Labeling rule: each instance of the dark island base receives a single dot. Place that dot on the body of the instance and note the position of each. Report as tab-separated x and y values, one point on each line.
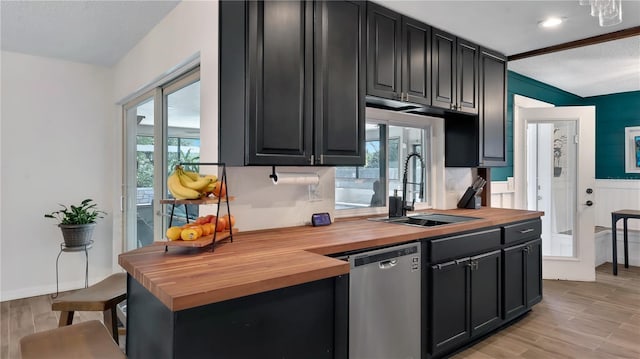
303	321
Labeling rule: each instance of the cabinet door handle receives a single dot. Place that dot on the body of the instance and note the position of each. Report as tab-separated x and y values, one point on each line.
525	231
526	249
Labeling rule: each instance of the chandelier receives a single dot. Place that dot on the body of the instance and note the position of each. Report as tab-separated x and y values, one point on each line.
609	12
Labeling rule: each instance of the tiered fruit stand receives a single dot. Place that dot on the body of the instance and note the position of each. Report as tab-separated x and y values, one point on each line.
210	239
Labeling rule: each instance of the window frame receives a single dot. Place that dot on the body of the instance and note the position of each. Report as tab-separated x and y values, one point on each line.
434	161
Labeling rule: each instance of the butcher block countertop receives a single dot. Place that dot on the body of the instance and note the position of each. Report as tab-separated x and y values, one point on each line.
264	260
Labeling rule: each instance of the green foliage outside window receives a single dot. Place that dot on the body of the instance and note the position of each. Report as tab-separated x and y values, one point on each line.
144	159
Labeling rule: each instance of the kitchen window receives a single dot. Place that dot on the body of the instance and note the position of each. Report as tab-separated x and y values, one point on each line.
390	138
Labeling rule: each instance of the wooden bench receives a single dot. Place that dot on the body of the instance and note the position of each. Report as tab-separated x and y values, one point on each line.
84	340
102	296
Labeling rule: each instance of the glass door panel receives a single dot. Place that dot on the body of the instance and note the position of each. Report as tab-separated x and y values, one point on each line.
139	207
551	168
183	137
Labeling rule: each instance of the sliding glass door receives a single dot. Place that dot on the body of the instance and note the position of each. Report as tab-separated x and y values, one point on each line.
162	129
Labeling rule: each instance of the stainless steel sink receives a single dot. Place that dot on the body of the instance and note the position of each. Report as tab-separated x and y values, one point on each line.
426	220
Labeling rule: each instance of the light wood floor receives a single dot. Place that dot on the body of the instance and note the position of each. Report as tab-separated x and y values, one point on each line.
574	320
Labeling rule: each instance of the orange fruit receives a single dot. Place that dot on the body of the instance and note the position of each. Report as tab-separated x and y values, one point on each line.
207	229
189	234
201	220
231	221
219	189
198	229
222	224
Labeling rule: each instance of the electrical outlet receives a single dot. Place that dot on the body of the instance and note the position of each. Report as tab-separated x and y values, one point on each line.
315	193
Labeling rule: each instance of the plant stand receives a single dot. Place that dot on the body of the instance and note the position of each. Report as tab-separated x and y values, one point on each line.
64	248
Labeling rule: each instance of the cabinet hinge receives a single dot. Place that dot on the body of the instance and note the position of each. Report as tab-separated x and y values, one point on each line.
576	139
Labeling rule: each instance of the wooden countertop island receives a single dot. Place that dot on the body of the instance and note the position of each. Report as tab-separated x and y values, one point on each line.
265	260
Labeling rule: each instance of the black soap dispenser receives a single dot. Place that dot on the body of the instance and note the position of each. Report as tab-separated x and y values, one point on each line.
395	205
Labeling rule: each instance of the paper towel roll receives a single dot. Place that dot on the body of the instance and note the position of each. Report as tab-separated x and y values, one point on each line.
297	178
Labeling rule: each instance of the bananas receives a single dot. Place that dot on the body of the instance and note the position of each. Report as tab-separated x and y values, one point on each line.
194	176
178	190
190	185
198	185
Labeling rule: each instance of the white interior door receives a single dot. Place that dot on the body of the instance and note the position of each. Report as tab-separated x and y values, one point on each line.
559	157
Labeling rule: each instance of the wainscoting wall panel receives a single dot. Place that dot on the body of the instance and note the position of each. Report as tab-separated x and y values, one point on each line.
609	195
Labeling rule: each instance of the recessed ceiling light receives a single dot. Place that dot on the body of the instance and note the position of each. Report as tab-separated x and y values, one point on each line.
550	22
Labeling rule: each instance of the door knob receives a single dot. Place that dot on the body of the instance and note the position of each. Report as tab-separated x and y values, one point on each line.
589	203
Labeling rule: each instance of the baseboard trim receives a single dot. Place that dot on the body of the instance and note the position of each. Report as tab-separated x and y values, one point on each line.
47	289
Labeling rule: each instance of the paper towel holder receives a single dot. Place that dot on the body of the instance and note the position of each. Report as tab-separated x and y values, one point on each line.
273	174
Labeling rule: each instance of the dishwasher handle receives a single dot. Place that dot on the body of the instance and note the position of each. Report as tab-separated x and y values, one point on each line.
388	264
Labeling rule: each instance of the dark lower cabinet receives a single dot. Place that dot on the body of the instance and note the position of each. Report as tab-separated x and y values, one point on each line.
449	306
304	321
522	277
486	292
465	301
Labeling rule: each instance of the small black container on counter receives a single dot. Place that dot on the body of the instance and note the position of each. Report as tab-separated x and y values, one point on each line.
395	206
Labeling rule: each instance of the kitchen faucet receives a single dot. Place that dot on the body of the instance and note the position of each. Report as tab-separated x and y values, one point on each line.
405	207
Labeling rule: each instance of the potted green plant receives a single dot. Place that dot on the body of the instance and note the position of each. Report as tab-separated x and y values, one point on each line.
77	222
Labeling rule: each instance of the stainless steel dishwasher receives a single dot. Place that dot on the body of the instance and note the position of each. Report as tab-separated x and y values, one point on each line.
384	303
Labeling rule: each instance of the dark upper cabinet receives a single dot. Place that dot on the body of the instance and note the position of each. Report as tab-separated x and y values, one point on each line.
443	64
298	96
416	61
340	80
280	54
398	61
383	52
454	65
467	76
493	106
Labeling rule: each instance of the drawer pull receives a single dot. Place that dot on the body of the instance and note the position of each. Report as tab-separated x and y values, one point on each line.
525	231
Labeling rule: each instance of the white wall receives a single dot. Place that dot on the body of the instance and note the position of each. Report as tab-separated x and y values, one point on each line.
57	147
613	195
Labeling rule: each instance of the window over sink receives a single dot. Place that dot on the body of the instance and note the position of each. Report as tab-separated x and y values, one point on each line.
390	138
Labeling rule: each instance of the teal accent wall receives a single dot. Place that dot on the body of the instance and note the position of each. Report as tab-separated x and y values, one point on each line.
521	85
613	113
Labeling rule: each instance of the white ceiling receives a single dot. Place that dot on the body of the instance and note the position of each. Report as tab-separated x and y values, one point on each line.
101	32
94	32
